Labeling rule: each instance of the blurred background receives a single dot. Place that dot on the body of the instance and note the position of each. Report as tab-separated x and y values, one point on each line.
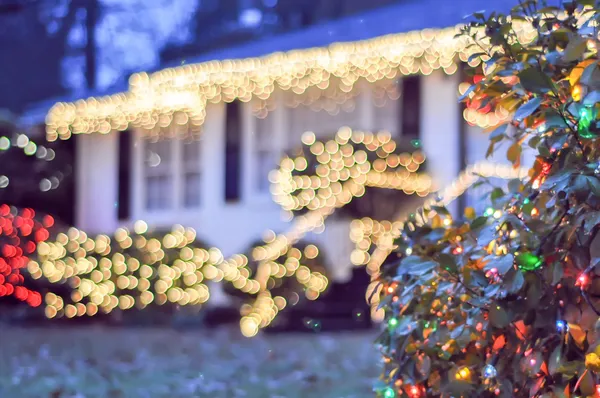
196	196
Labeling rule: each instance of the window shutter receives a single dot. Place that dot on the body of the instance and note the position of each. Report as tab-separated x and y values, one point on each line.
233	151
410	113
124	171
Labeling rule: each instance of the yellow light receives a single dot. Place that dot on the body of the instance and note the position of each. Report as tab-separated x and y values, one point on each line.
463	374
180	95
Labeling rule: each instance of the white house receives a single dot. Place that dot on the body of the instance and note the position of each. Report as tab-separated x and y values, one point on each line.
194	144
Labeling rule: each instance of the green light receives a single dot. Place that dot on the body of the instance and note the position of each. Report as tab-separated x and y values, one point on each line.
389	393
393	322
526	201
488	212
586	117
529	261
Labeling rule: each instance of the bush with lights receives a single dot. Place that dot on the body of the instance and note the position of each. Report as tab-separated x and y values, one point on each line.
128	270
507	303
311	175
299	273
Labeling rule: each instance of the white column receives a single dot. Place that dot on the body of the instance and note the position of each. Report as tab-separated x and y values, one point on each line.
440	115
248	171
365	107
213	179
97	182
177	168
213	158
280	129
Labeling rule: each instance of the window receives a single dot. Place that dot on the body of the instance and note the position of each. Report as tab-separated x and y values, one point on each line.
191	173
158	174
386	107
172	173
265	157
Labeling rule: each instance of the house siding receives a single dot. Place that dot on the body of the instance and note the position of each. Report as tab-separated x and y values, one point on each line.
233	226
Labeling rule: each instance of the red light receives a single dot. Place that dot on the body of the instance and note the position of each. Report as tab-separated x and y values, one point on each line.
42	235
29	247
414	392
582	281
48	221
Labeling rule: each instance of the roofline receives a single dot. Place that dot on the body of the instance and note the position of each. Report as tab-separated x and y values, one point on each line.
189	87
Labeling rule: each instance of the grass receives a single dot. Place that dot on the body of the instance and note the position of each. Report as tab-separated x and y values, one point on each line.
132	363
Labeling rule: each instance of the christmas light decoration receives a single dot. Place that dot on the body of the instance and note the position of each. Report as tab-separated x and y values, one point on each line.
180	95
20	233
528	261
515	309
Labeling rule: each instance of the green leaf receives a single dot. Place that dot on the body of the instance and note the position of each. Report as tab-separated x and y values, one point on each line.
554	360
534	80
448	262
557	273
423	366
416	266
502	264
497	193
498	316
478	223
590	74
594	185
587	385
498	133
405	326
514	185
527	108
514	281
592	98
534	141
440	210
575	49
592	218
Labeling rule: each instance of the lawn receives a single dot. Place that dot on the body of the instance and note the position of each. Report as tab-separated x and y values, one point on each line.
132	363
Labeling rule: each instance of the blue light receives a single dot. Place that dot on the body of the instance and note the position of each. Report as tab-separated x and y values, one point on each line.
561	326
489	371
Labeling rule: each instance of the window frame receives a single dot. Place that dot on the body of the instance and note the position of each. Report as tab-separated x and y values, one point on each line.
176	171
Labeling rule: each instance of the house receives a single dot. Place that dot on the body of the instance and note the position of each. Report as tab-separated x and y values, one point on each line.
195	144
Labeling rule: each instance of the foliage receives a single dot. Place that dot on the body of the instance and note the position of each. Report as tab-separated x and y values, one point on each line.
35	175
507	303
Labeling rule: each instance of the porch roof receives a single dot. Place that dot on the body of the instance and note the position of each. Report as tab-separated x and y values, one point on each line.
404	39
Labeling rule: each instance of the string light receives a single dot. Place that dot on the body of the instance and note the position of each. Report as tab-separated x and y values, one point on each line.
489	371
181	94
20	233
389	393
458	187
73	256
561	326
463	374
